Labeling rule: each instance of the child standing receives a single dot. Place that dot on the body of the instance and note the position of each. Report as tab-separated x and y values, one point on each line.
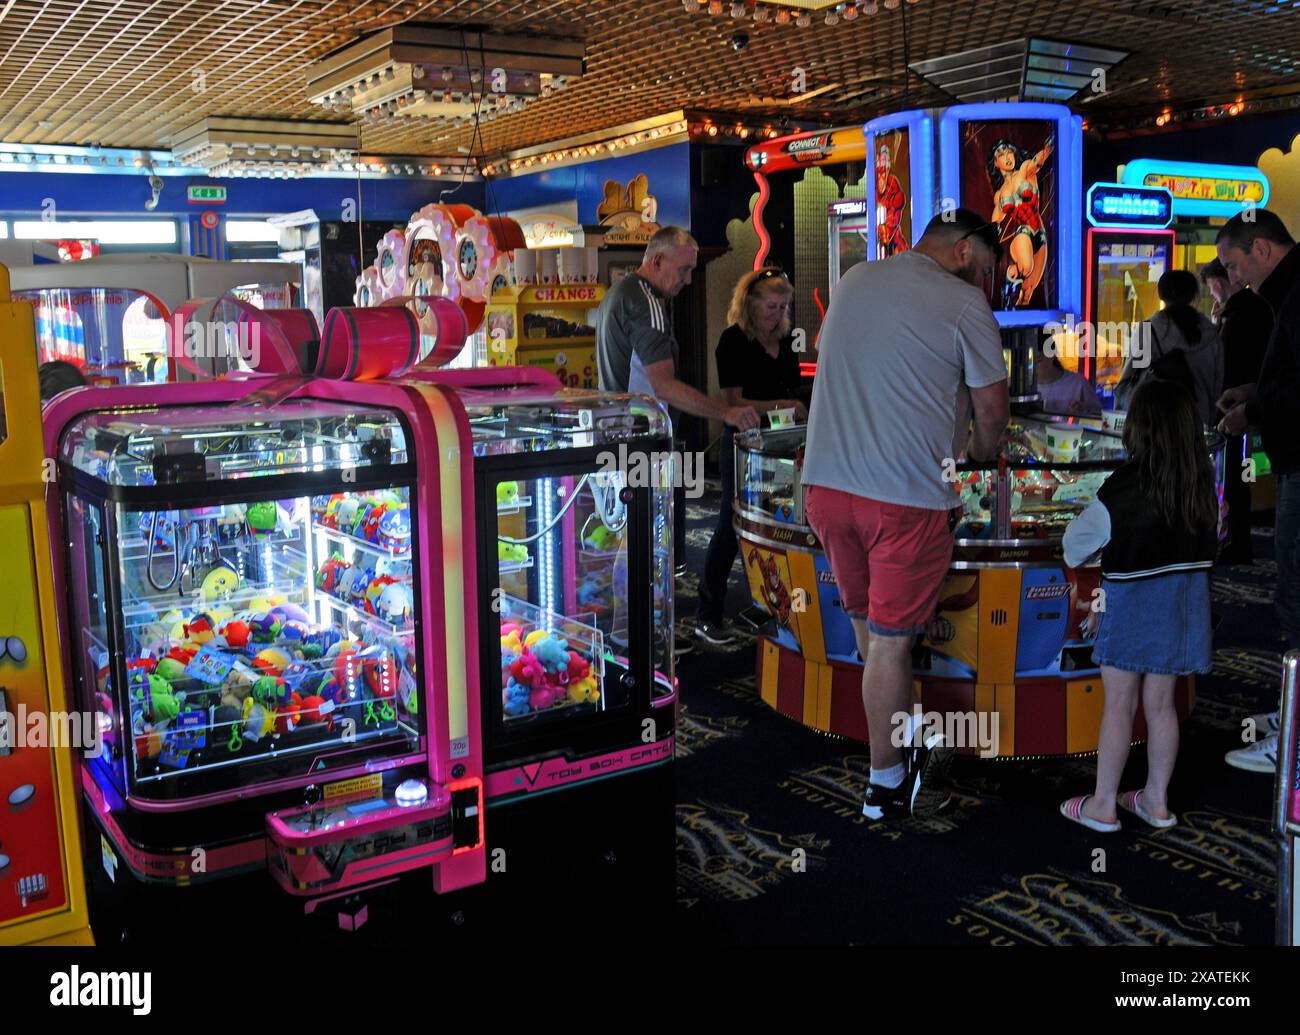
1155	525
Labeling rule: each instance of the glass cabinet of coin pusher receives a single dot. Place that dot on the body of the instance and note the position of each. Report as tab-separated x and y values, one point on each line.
250	597
1012	623
575	585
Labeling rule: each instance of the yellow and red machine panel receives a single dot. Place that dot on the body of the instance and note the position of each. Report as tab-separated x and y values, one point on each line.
42	888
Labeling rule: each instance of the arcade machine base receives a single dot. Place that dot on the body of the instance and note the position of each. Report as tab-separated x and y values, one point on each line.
1035	716
596	859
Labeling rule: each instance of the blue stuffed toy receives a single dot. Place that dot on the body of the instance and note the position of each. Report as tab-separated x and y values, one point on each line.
552	652
516	703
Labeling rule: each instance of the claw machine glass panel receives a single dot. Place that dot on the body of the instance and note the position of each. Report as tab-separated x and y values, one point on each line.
848	236
1124	267
576	559
244	594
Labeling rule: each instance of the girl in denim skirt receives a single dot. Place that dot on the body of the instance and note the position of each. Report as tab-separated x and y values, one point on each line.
1155	526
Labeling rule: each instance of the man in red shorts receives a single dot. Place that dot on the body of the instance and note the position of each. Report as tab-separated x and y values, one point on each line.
908	348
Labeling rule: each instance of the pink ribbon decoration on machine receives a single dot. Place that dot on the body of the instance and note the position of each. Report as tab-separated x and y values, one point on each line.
238	339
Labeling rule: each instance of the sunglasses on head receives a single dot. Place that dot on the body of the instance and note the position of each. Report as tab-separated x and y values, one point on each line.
989	234
766	275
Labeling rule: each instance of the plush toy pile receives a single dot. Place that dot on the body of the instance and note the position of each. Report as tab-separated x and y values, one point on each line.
213	684
382	520
358	584
539	672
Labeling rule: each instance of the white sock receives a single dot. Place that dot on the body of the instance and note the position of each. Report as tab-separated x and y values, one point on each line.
891	777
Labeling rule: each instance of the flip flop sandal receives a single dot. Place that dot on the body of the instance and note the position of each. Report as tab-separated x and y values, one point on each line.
1073	811
1129	802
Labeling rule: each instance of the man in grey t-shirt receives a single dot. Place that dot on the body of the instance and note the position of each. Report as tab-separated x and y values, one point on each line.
635	347
636	352
908	345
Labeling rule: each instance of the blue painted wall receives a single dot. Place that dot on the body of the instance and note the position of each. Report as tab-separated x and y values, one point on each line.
22	194
668	170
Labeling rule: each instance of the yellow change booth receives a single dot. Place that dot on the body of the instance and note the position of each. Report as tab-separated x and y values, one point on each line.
42	887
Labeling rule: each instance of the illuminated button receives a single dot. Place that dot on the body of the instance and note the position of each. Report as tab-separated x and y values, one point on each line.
412	792
21	795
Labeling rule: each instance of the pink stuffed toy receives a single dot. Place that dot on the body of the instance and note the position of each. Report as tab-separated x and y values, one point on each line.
541	698
528	670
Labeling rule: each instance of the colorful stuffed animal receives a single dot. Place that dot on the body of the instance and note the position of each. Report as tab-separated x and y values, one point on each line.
236	634
271	692
394	604
170	669
154	695
515	701
507	494
602	539
528	670
238	688
290	612
512	553
263	627
380	673
510	639
345	514
584	690
543	697
272	661
199	630
219	584
394	531
261	518
327	578
553	653
352	586
310	713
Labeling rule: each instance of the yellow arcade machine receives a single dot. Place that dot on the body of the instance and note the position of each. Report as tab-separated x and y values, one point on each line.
42	887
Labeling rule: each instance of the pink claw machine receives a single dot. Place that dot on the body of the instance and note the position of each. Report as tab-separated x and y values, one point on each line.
332	624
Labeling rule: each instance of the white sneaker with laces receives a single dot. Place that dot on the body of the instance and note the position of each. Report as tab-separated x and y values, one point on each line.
1259	757
1267	722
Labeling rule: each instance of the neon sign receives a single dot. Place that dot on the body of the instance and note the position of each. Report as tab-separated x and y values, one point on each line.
1200	189
1117	204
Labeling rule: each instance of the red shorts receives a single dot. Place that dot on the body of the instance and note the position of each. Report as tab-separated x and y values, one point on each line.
889	561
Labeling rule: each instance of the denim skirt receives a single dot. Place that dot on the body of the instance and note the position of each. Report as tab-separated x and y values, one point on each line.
1159	625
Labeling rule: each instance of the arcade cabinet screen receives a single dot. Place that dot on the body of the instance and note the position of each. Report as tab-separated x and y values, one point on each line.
892	156
1008	171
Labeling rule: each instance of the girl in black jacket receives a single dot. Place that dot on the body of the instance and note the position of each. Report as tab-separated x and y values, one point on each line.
1155	527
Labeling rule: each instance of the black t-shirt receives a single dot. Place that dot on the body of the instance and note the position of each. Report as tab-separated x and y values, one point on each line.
743	363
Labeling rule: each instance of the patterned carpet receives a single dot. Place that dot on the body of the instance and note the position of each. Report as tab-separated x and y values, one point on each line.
772	846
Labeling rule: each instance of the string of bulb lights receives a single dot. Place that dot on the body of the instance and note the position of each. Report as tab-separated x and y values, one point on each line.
762	11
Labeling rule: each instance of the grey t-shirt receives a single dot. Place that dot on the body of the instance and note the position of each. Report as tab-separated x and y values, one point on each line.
633	330
902	342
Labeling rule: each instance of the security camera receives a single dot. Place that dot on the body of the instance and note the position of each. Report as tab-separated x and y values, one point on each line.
155	185
740	41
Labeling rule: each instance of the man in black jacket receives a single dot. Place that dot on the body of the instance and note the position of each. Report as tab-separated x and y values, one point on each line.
1256	249
1245	323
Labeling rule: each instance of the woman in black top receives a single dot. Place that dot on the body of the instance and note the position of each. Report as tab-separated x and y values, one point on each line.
758	367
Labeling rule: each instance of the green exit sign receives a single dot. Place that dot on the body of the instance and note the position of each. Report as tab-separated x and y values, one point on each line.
207	195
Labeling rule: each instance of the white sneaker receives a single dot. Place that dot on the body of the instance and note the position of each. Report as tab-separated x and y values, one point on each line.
1259	757
1267	722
